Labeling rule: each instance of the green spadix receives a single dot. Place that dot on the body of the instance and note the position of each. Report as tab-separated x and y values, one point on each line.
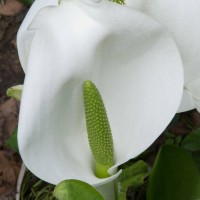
98	129
119	1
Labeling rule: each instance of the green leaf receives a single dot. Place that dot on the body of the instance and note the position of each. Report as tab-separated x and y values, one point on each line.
169	141
175	176
12	141
76	190
196	157
132	176
172	139
192	141
27	2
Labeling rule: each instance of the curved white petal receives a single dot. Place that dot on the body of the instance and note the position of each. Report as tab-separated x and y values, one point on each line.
132	61
182	19
187	101
108	190
194	89
24	37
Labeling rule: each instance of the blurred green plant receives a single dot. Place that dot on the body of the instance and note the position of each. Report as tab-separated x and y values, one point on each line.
75	190
173	139
133	176
175	176
12	141
33	188
27	2
192	141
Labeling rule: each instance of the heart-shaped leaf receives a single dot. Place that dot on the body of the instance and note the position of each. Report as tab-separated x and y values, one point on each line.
76	190
175	176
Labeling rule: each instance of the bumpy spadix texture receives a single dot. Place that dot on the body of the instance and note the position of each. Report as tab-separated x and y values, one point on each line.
98	129
118	1
130	57
182	19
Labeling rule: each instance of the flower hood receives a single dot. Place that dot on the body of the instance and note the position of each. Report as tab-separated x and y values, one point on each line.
182	19
130	57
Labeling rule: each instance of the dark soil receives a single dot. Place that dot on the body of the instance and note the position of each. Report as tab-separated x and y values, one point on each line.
10	70
10	74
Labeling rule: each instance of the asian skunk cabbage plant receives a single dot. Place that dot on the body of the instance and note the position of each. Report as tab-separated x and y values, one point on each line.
182	19
130	58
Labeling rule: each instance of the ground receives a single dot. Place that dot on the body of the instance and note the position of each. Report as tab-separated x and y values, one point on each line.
11	16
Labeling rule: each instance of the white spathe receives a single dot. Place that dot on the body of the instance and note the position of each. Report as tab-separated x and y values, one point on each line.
132	60
182	19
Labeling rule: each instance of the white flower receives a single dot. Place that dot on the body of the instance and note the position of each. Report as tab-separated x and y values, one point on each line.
132	60
182	19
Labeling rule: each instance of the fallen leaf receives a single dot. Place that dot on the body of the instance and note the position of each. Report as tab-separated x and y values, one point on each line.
8	175
11	7
8	119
